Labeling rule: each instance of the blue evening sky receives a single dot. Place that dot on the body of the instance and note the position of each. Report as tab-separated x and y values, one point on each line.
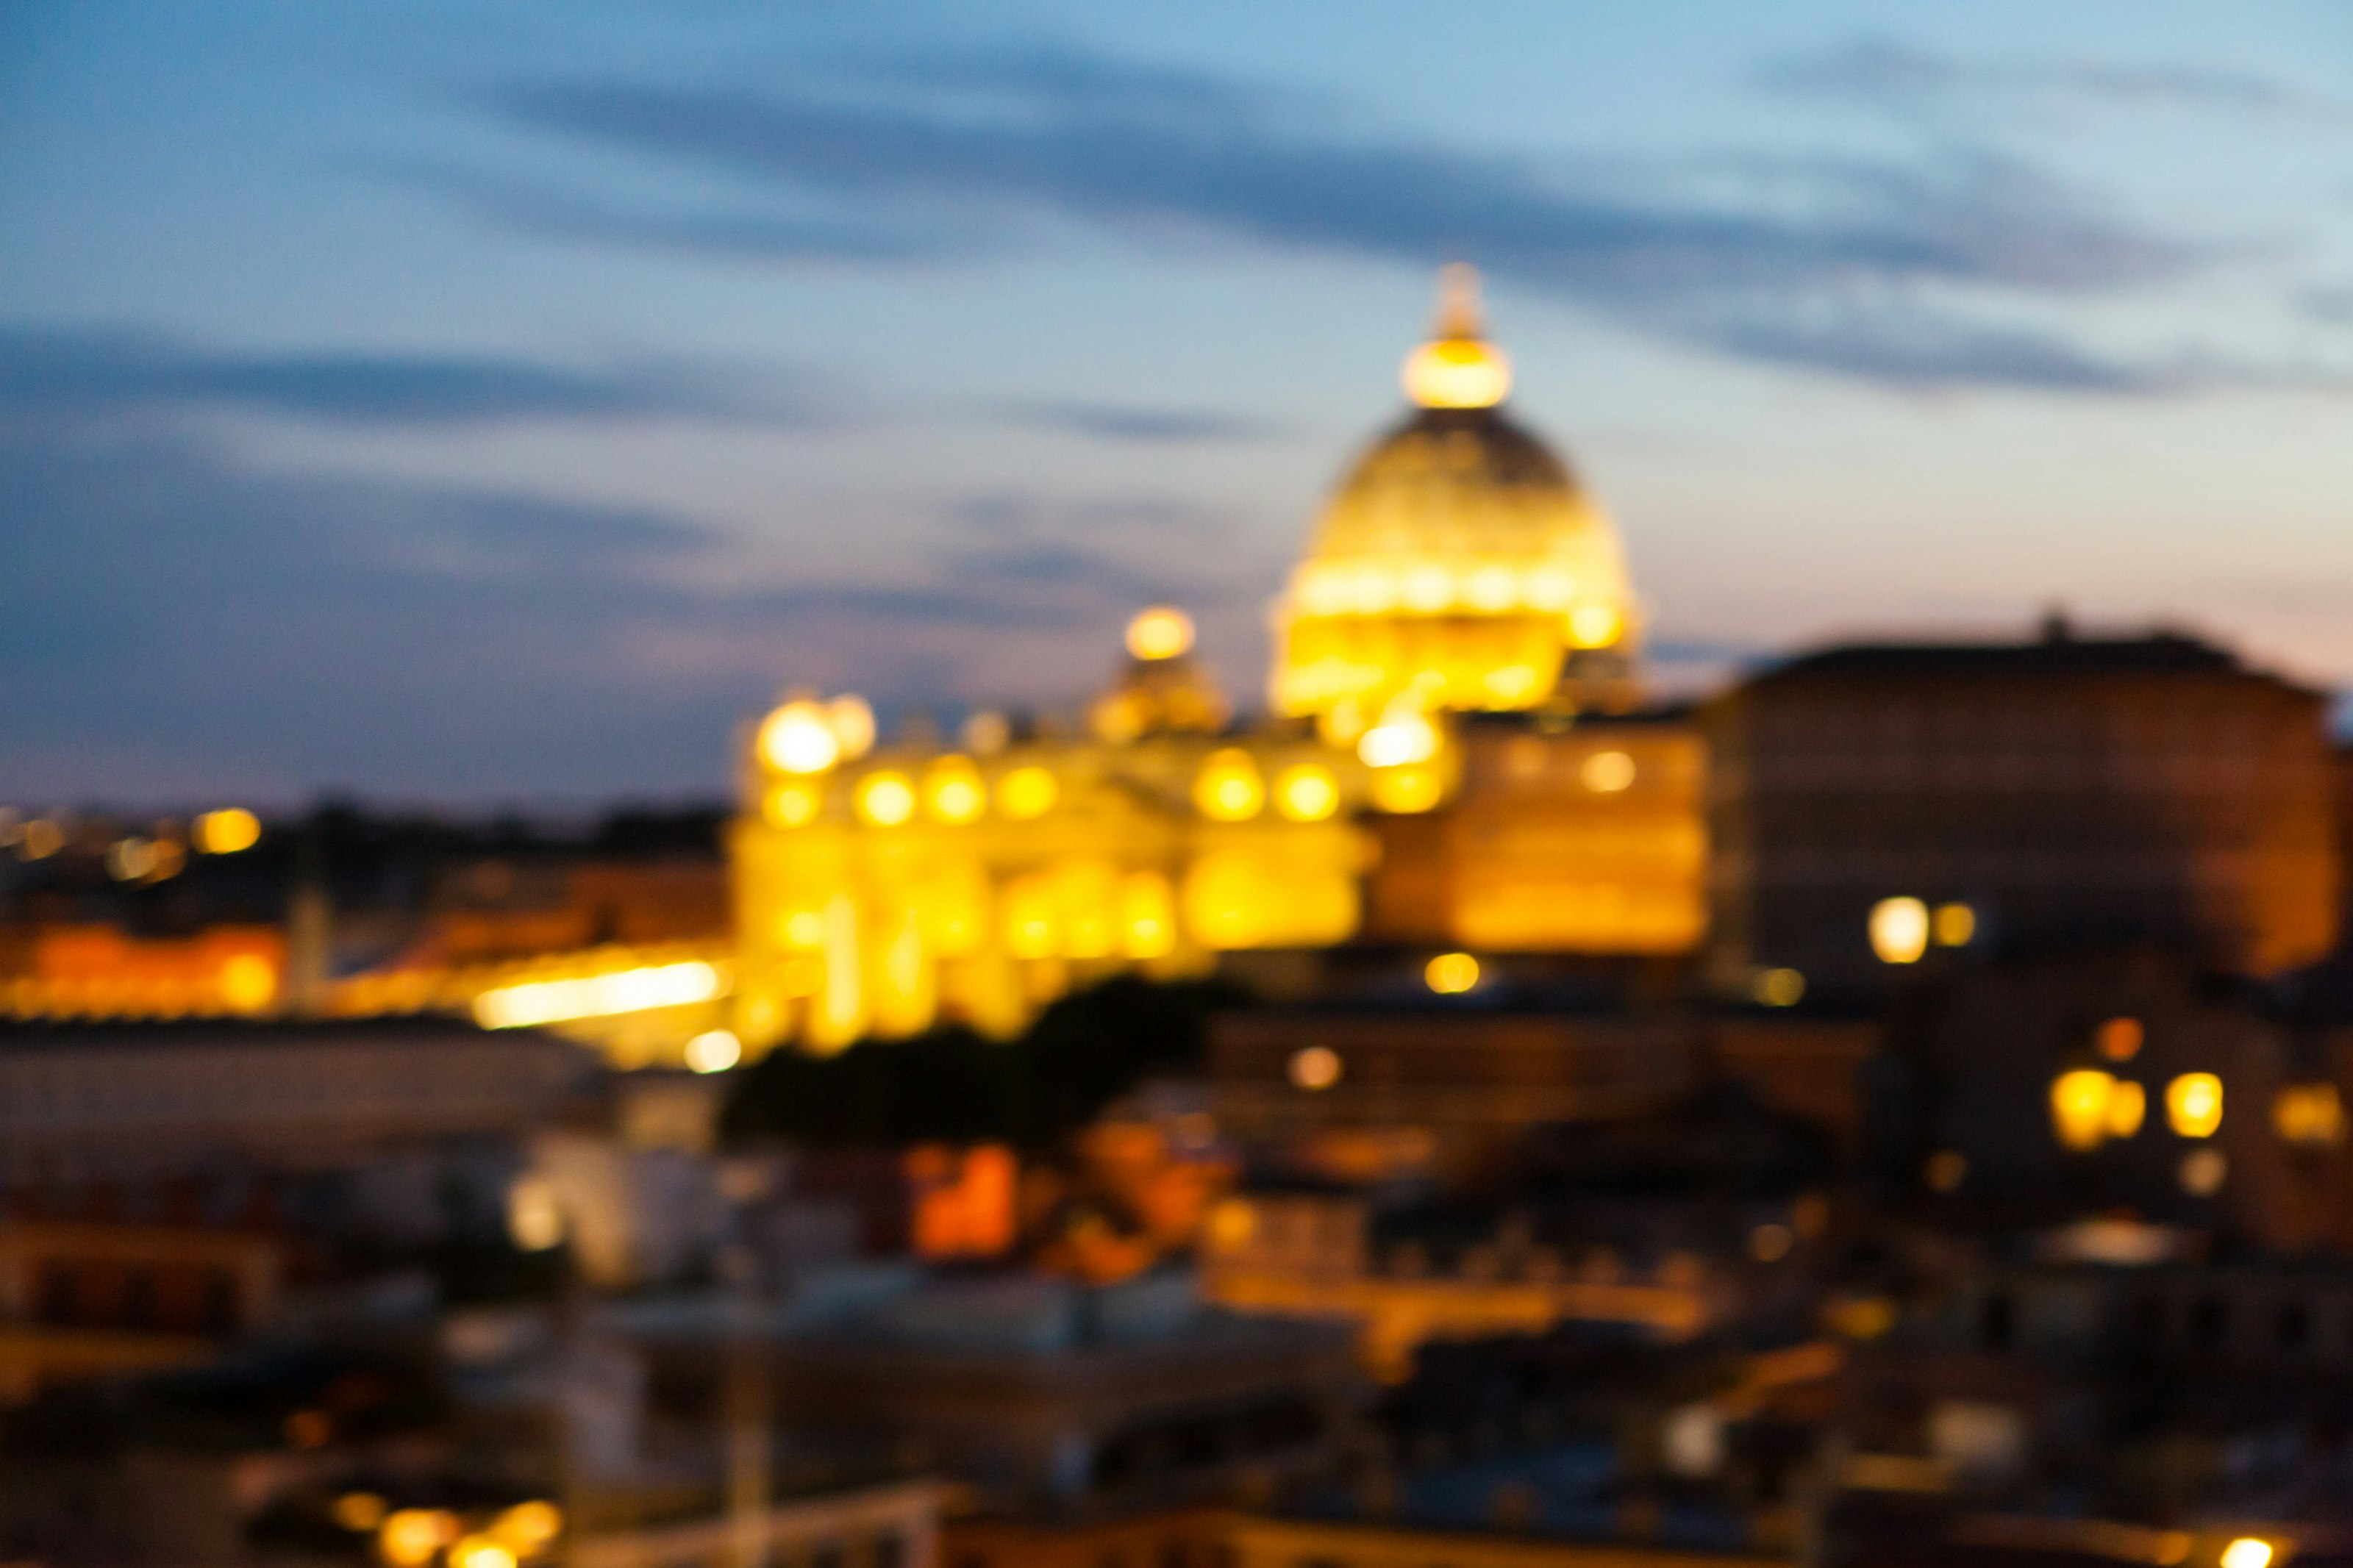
468	402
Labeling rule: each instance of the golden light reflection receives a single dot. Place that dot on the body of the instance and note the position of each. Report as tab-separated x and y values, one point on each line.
1306	792
798	738
1955	925
952	791
2193	1104
1404	736
2119	1039
1229	788
885	798
1026	793
853	723
248	983
713	1050
1407	790
1592	625
1606	772
1780	987
2247	1552
481	1552
791	805
1148	915
1160	632
598	995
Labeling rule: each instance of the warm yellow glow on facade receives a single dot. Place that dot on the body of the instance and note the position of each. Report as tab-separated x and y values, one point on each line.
529	1527
1899	930
1457	373
2079	1108
2312	1114
952	791
1229	788
1459	569
224	832
798	738
1451	973
248	982
1780	987
1025	793
2247	1552
413	1536
1405	735
853	723
1606	772
1404	791
1148	915
885	798
1955	925
1160	632
1306	792
713	1050
535	1221
1595	624
2193	1104
2127	1107
598	995
359	1511
792	804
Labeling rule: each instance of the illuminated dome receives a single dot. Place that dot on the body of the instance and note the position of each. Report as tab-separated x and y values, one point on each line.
1460	565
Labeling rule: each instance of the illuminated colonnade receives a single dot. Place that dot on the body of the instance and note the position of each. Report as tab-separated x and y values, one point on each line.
881	891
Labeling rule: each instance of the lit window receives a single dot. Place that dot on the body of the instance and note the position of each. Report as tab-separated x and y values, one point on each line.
1899	930
1451	973
2193	1104
1606	772
886	799
1315	1066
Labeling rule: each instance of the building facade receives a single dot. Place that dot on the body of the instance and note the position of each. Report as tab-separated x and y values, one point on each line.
2065	792
1446	764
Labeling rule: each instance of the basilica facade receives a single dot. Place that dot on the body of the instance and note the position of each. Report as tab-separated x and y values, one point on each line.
1455	755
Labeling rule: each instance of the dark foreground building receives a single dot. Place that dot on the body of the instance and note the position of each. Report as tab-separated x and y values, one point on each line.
2067	792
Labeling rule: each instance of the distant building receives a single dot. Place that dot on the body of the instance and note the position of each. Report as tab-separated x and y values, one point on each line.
2064	792
2033	1087
143	1101
1052	1399
82	1300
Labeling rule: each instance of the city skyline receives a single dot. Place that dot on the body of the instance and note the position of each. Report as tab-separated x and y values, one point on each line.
484	411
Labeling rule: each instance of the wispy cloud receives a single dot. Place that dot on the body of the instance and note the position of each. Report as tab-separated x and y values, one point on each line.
1114	422
983	152
80	375
1882	70
460	641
